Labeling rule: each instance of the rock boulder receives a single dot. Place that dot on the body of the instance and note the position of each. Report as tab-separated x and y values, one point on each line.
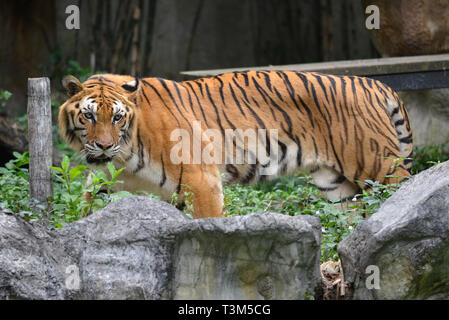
406	243
140	248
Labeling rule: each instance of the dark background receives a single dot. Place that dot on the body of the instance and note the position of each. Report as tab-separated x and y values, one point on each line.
164	37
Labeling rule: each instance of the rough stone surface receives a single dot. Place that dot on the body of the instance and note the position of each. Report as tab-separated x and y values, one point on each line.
407	239
412	27
259	256
141	248
429	115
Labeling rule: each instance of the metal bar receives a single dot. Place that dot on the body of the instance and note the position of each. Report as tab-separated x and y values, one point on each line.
415	80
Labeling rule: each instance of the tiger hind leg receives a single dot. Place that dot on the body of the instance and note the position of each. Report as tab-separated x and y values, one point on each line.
333	185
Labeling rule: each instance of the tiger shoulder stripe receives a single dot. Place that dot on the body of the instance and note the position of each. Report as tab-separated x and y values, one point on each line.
241	127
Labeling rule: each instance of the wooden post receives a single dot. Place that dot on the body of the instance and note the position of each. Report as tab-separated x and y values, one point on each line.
40	138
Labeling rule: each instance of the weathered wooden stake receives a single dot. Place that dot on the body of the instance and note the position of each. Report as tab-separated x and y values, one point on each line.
40	138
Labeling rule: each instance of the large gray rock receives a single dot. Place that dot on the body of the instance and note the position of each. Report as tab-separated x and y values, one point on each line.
407	240
140	248
258	256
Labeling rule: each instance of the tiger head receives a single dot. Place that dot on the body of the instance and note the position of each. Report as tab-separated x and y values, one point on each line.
98	117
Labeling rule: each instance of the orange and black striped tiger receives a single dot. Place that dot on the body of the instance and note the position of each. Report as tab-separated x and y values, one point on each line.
342	129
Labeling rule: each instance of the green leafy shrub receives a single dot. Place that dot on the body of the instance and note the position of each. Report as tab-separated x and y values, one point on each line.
4	97
75	69
68	199
376	194
428	156
69	202
14	187
337	223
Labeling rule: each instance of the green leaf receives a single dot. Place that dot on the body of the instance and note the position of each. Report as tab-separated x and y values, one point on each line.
101	175
117	173
111	168
6	95
17	155
10	165
107	183
65	163
99	203
76	171
55	104
57	169
58	225
62	180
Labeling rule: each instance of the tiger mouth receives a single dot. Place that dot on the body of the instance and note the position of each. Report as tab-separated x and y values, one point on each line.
96	155
100	159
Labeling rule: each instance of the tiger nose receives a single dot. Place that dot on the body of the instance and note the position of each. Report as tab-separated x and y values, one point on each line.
104	145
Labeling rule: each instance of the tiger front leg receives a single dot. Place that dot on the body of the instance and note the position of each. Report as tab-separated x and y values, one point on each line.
202	189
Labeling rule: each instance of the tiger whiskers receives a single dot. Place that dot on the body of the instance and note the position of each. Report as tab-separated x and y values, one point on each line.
122	155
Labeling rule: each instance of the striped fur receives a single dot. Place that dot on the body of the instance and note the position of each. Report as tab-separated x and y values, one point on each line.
343	130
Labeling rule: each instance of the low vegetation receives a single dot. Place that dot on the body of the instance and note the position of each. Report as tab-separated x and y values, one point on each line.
288	195
4	97
68	203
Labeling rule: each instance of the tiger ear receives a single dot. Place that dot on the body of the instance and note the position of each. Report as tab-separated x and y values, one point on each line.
132	86
72	85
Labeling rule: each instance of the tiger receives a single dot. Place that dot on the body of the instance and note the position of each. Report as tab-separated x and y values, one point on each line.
342	130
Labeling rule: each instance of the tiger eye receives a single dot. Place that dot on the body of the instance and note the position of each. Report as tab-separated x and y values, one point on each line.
88	115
